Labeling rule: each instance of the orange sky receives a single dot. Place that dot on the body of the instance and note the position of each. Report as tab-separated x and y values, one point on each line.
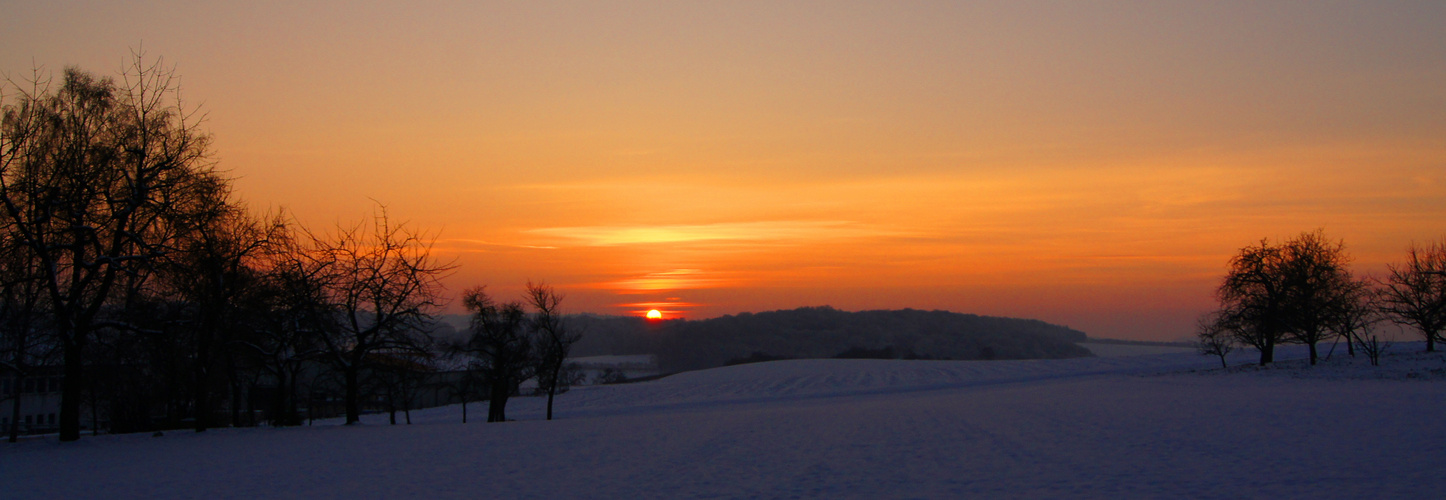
1088	163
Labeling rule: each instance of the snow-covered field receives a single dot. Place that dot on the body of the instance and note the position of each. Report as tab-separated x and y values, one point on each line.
1150	426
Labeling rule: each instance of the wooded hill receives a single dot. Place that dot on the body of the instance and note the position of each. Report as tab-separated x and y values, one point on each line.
825	332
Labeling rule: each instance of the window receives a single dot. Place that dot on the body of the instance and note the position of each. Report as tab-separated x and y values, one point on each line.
55	384
5	386
50	419
29	420
29	385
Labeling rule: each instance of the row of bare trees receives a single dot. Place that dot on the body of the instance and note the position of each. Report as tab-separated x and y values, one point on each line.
128	266
1302	291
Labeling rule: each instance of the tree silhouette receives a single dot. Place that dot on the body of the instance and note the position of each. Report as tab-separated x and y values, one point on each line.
215	262
1414	292
554	339
93	181
383	286
1215	338
1288	292
498	339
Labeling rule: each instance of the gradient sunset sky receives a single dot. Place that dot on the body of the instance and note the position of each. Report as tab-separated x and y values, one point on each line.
1092	164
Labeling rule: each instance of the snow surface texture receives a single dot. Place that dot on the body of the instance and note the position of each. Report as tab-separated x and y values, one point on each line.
1155	426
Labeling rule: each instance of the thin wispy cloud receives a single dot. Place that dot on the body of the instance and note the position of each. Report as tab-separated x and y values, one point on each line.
764	231
676	279
463	245
669	308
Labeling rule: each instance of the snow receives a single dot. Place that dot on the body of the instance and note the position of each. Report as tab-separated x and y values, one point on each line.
1162	426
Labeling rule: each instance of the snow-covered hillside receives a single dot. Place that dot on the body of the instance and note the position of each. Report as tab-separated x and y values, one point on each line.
1162	426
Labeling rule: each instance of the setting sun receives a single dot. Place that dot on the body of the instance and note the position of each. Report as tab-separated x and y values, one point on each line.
655	314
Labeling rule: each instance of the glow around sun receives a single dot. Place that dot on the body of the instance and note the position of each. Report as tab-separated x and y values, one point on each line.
655	314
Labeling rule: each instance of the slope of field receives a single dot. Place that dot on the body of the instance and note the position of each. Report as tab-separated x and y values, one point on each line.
1164	426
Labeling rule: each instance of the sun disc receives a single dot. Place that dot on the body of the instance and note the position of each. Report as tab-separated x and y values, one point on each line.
655	314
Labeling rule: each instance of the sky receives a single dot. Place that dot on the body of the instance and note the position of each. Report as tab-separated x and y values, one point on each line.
1091	164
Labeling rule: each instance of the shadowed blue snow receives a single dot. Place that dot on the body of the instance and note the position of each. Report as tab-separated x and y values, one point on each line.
1166	426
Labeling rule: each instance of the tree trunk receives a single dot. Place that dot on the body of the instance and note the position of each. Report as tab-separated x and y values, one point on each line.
353	406
497	405
235	383
550	393
22	332
292	417
278	403
203	372
70	389
1267	355
94	413
1431	342
407	405
1313	355
203	392
250	407
552	388
14	429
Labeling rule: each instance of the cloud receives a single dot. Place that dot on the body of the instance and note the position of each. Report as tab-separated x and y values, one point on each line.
763	231
669	308
677	279
468	245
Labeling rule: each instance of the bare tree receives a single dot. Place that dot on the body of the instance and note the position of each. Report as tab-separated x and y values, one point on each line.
400	376
468	385
90	177
1252	299
1372	344
554	340
500	342
1414	293
287	313
216	260
1319	287
20	292
23	345
1215	338
384	286
1287	292
1356	313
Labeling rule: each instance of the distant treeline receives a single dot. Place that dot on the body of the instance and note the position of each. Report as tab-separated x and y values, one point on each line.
825	332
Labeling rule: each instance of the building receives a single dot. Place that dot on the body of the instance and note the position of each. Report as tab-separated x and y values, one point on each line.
39	397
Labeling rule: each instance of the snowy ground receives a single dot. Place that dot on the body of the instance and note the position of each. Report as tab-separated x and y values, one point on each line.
1153	426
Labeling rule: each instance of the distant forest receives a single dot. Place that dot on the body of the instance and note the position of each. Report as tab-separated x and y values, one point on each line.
825	332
